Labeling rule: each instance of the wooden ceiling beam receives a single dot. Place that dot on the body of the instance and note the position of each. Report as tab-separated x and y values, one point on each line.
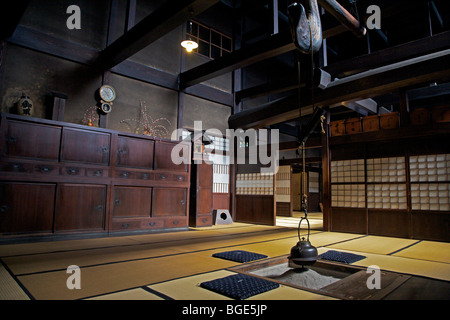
434	67
262	50
401	52
166	18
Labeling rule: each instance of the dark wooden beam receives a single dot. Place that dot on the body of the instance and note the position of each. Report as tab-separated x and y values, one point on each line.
390	55
270	47
267	89
369	85
166	18
10	14
262	50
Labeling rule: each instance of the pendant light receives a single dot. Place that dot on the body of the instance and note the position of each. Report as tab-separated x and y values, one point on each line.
189	44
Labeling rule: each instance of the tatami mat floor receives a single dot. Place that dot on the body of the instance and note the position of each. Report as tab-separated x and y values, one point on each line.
171	266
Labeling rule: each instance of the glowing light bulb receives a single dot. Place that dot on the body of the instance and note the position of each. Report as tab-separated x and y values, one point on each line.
189	45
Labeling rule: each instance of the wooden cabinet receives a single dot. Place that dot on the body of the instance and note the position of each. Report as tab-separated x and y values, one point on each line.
30	140
135	153
80	207
169	202
140	199
61	178
201	201
26	207
85	146
163	157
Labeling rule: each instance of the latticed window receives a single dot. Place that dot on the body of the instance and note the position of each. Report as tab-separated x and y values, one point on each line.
211	43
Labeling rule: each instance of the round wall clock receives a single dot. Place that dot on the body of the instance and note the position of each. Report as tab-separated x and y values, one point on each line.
107	93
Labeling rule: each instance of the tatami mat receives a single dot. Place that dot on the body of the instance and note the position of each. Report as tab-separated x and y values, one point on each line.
430	269
123	267
427	250
9	289
375	244
189	289
107	278
133	294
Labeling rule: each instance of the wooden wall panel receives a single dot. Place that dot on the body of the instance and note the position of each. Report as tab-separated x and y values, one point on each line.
431	226
349	220
221	201
255	209
390	223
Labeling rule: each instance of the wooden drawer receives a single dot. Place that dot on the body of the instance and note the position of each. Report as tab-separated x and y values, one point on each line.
16	167
180	177
145	176
126	225
124	174
163	177
46	169
204	221
97	173
176	222
152	224
73	171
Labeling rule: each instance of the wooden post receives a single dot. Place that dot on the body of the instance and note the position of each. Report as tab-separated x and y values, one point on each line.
404	108
326	175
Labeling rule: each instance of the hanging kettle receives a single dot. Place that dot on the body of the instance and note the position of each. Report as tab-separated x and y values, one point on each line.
306	26
303	253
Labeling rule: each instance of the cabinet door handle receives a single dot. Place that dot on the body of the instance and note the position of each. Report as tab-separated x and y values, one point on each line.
182	202
4	208
99	207
125	225
72	171
105	149
152	224
45	169
117	201
12	140
163	177
176	222
145	176
17	167
125	174
98	173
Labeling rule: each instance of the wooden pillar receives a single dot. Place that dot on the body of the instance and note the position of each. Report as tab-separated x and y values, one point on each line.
404	108
326	176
